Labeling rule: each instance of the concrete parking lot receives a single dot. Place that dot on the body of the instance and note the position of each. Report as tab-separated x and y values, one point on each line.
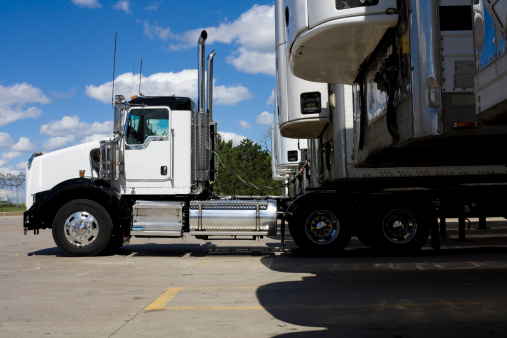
194	288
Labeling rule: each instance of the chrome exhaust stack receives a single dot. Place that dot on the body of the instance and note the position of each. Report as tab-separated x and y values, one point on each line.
201	72
209	98
201	135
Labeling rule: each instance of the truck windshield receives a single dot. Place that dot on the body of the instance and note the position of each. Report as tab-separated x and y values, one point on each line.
147	122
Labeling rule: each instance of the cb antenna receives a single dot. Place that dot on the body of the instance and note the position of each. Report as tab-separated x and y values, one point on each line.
114	68
140	75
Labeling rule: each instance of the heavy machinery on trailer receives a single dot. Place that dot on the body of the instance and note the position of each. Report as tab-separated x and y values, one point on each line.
406	141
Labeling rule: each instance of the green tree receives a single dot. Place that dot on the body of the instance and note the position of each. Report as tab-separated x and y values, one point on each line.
248	161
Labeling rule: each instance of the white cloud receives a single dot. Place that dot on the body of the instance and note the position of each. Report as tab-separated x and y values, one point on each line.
271	99
10	155
21	94
123	5
71	125
154	6
24	144
57	142
265	119
255	53
87	3
253	62
230	96
235	138
95	137
15	98
155	31
21	166
5	140
245	124
183	83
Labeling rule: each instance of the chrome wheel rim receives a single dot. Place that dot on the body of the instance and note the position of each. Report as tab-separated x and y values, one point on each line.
81	228
399	226
322	227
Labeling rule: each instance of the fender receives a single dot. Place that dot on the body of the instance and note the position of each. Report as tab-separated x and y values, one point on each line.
47	203
310	197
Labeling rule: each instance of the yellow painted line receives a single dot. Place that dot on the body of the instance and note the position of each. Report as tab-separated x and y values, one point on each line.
161	303
213	308
163	299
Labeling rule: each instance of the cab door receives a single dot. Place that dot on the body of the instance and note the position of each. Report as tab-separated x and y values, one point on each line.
147	155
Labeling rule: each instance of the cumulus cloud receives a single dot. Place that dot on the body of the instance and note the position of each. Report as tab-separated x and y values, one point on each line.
71	129
155	31
71	125
253	62
271	99
235	138
15	98
183	83
24	144
21	166
57	142
5	140
9	155
265	119
87	3
123	5
253	33
7	143
245	124
95	137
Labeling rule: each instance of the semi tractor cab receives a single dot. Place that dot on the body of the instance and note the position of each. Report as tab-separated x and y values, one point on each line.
153	178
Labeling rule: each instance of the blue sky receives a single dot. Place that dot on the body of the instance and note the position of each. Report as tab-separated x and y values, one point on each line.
57	66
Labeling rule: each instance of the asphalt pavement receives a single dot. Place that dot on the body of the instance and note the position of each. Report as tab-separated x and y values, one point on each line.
226	288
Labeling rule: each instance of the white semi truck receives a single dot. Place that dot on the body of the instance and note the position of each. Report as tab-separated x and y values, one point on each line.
154	178
383	92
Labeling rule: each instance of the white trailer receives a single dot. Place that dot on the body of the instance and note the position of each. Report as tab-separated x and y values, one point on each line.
404	145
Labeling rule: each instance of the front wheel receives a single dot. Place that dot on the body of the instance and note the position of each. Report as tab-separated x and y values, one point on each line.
82	228
319	231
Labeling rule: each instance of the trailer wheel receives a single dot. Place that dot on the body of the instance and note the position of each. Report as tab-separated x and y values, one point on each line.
403	229
319	231
82	228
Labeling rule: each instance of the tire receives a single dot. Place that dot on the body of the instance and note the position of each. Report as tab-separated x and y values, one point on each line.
399	229
82	228
319	231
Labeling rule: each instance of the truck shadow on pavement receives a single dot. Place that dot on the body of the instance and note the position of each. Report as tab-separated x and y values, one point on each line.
457	293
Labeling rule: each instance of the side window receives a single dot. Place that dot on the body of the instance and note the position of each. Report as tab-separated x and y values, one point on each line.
146	122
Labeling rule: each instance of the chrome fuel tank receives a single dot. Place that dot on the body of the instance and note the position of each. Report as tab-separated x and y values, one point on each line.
233	217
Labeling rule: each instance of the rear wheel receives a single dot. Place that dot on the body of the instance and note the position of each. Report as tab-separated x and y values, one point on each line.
82	228
319	230
397	229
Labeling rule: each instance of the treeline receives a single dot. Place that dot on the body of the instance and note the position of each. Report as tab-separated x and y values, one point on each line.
251	170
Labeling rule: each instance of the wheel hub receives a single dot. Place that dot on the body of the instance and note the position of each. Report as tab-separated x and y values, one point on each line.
322	227
399	226
81	228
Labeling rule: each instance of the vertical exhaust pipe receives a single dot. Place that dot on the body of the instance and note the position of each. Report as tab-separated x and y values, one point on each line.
209	97
201	70
201	137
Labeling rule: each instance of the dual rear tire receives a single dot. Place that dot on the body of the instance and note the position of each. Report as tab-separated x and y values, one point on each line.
393	226
319	230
